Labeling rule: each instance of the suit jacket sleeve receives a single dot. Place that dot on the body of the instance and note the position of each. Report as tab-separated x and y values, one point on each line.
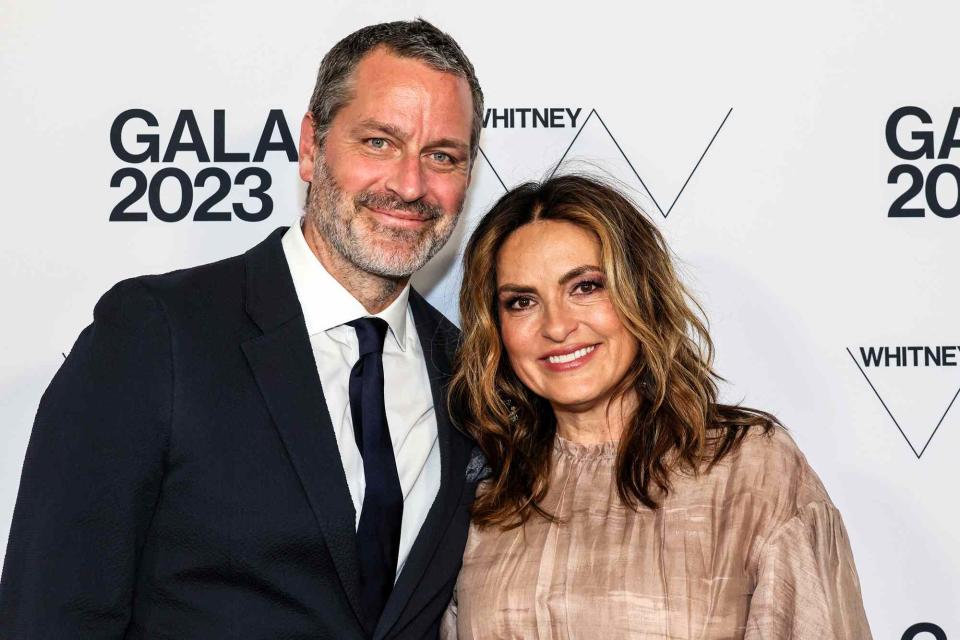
91	477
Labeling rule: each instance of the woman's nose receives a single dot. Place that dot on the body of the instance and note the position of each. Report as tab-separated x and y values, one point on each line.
558	323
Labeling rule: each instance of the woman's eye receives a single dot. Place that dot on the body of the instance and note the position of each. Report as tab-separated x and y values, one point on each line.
519	303
587	286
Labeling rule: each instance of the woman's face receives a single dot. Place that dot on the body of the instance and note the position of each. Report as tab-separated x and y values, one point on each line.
564	339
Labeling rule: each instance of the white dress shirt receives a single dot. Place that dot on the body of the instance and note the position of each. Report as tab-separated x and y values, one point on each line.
327	306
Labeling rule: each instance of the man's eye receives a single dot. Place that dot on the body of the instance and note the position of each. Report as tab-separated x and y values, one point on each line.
377	143
441	157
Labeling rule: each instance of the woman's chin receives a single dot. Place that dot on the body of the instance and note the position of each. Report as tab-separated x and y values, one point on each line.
576	401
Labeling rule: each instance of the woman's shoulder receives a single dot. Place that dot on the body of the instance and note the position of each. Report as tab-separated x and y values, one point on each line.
769	463
772	447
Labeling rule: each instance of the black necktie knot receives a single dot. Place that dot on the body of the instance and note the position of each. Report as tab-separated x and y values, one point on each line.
371	333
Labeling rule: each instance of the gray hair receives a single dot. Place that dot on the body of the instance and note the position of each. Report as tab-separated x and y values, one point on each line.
417	39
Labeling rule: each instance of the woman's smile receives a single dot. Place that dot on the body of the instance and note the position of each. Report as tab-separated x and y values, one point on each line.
560	360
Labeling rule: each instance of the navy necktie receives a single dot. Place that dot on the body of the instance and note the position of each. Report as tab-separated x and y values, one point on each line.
378	534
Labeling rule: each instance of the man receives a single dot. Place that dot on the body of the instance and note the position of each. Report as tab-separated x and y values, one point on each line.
260	447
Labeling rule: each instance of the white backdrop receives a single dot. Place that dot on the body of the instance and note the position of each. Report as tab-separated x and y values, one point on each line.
783	230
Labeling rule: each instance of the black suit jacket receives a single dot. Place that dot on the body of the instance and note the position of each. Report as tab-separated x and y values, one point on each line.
183	481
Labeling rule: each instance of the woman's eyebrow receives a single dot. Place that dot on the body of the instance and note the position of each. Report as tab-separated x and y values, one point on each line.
565	278
515	288
577	271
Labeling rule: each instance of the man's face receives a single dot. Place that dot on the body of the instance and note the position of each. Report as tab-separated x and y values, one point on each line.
389	181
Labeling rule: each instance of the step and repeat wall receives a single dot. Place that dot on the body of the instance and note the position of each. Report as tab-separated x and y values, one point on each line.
803	162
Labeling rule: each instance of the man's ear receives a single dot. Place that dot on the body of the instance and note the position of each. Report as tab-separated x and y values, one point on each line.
308	147
471	167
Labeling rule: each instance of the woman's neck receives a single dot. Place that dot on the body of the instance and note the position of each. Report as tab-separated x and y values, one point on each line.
600	422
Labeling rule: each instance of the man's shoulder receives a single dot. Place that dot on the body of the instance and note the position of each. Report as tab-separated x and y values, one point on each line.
440	325
206	285
193	292
435	315
212	278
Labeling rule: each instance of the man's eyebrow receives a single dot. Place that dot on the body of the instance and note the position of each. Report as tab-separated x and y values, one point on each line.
577	271
387	128
396	132
450	143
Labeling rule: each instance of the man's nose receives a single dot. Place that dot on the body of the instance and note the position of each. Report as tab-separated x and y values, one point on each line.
558	323
407	179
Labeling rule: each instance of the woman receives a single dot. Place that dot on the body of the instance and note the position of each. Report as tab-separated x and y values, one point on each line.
624	500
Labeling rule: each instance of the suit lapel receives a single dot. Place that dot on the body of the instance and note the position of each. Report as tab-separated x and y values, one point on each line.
438	344
283	365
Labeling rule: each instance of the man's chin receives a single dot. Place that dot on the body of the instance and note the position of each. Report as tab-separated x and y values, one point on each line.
388	251
390	257
393	240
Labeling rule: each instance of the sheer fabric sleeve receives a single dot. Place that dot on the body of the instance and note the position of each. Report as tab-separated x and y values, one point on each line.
448	625
807	584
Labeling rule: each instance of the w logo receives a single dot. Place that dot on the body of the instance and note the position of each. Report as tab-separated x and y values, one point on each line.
595	140
917	386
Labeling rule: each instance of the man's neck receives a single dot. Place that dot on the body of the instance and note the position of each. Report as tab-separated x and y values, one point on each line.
374	292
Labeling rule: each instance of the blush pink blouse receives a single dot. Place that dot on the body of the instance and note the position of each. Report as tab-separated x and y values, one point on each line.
752	549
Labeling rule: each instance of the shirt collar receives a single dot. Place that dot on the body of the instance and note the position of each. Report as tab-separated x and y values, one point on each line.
325	302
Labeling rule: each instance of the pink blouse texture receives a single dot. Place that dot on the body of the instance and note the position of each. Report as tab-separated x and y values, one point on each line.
752	549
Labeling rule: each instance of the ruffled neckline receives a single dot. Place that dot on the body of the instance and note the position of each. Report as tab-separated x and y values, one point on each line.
579	451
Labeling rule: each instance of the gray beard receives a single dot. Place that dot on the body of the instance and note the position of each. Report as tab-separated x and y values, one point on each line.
336	220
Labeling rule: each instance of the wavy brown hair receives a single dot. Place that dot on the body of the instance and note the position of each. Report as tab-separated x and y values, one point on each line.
678	425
